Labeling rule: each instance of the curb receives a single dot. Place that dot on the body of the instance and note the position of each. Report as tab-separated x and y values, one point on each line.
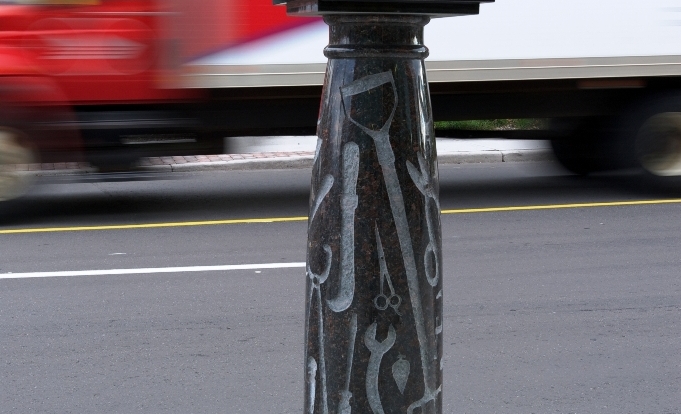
280	163
537	155
305	161
492	156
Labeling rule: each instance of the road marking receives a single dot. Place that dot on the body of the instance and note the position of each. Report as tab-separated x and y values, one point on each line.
151	270
561	206
155	225
295	219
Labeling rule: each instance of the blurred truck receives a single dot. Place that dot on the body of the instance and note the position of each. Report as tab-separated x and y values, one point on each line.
110	81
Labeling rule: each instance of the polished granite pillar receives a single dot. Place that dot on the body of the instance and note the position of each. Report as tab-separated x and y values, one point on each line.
374	287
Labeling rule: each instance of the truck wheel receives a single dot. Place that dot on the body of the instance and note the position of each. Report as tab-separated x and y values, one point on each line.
579	145
658	144
13	151
571	154
652	135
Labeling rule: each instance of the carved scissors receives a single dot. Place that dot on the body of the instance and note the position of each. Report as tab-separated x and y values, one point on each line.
382	301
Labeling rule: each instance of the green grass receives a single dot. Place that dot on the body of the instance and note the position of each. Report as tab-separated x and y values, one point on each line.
493	125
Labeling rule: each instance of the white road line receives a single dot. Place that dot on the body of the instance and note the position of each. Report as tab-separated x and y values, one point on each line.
151	270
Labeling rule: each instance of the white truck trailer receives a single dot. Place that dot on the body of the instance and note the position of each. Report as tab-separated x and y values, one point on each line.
606	73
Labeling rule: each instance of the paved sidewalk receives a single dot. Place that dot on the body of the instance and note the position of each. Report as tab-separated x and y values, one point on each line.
257	153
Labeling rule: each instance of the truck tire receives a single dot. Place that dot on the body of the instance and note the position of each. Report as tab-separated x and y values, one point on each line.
657	142
580	145
570	153
14	150
650	141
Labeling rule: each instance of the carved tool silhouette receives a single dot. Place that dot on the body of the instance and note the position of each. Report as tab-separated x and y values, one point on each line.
344	404
349	202
381	301
378	349
423	181
386	159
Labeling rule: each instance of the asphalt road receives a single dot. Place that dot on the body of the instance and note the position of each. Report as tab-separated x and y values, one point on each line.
563	310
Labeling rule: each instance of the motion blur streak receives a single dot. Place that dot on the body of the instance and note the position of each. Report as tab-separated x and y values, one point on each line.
294	219
101	81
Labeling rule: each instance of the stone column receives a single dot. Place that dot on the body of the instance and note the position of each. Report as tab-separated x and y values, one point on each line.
374	277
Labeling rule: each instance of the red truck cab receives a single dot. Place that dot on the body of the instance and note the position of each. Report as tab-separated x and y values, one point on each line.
100	80
96	51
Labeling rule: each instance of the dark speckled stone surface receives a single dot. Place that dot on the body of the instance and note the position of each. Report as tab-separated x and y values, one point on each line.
374	291
413	7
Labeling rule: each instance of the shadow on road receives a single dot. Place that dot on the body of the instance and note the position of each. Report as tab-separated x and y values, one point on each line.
285	193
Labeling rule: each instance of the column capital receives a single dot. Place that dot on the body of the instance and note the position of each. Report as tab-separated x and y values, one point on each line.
433	8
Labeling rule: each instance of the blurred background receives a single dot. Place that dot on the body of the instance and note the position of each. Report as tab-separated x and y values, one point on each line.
106	83
173	141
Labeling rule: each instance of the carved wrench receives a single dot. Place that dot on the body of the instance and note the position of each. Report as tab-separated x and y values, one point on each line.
378	349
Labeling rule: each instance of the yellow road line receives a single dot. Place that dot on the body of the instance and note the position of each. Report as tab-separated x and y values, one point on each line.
155	225
295	219
559	206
